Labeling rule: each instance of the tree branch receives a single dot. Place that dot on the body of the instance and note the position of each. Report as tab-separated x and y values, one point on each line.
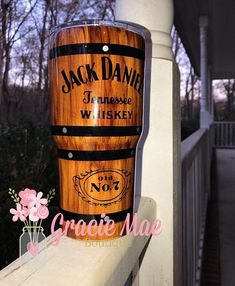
22	21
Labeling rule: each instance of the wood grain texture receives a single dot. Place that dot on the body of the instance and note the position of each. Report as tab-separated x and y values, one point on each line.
102	89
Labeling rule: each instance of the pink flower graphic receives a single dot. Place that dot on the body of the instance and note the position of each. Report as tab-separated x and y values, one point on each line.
42	212
33	214
31	209
18	213
27	196
26	211
38	201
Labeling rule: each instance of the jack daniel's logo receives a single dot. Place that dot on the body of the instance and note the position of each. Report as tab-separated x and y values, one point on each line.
110	71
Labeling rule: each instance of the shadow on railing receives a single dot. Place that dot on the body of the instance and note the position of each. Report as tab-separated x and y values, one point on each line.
224	134
195	159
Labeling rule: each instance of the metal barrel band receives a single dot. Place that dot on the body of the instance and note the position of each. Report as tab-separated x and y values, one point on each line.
98	48
91	131
96	155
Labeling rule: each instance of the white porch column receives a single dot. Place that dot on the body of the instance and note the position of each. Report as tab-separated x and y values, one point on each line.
205	103
162	263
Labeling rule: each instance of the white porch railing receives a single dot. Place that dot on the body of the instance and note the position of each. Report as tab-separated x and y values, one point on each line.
195	156
224	134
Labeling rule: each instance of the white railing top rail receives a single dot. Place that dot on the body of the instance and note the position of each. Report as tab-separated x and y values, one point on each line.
190	145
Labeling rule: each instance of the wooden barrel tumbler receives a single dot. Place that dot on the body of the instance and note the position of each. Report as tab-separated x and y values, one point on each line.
96	84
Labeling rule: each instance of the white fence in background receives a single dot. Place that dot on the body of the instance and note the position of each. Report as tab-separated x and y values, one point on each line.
224	133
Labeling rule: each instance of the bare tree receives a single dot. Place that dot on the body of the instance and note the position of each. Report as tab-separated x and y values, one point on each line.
24	31
189	81
13	16
176	45
42	38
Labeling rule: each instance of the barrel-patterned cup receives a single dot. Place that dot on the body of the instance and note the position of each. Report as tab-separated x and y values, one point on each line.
96	84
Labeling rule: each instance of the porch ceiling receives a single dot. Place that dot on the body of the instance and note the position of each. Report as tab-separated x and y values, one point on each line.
221	33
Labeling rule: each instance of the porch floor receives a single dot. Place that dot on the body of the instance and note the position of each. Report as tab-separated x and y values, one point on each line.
219	259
